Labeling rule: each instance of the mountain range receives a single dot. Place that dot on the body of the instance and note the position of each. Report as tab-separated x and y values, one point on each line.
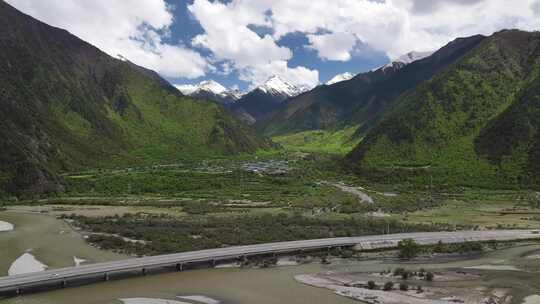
359	102
251	106
475	123
211	90
465	115
66	105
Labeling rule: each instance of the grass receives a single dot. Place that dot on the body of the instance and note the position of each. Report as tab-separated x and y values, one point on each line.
321	141
475	210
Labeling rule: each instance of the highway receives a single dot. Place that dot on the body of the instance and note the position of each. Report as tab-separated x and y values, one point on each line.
63	276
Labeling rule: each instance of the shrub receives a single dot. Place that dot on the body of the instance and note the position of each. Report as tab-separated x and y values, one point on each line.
408	249
429	276
371	285
403	287
388	286
399	271
405	275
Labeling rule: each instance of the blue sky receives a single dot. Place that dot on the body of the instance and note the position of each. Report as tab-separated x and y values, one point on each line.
241	43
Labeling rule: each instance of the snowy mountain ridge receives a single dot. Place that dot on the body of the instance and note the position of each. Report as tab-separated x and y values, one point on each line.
340	78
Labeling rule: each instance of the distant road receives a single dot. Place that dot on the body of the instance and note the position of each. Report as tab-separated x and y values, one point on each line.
63	276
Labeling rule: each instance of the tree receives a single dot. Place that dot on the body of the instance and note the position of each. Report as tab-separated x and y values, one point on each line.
408	249
429	276
371	285
403	287
388	286
405	275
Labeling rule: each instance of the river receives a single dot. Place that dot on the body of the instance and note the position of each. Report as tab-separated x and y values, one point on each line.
54	243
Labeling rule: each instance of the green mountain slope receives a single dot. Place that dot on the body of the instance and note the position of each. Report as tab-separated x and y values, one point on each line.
464	126
65	105
361	101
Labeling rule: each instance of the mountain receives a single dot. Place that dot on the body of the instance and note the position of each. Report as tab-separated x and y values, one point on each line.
264	99
411	57
473	124
211	90
358	103
340	78
65	105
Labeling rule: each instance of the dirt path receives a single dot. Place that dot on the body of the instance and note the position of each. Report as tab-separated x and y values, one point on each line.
363	197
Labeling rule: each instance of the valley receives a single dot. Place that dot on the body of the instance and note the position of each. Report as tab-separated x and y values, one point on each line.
159	164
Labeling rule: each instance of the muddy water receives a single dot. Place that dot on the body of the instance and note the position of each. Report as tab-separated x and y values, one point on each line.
233	286
242	286
50	240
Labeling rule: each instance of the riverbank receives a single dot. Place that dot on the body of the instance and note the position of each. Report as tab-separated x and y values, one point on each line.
49	240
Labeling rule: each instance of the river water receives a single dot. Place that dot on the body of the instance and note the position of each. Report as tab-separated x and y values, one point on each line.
54	243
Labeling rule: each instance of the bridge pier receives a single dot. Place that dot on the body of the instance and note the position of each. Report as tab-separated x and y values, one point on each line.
144	271
106	276
18	291
179	267
64	283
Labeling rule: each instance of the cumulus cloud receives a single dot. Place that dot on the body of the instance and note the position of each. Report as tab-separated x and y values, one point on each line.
241	36
133	30
334	46
229	35
392	26
535	6
429	6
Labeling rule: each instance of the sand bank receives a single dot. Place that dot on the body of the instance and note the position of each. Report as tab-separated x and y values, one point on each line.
5	226
150	301
199	299
77	261
26	263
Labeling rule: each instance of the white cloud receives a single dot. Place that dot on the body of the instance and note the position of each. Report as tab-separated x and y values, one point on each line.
334	46
535	6
429	6
391	26
334	29
121	27
228	36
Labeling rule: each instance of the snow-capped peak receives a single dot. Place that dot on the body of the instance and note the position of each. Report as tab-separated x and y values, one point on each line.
206	86
212	86
235	94
340	78
276	85
119	56
408	58
413	56
186	89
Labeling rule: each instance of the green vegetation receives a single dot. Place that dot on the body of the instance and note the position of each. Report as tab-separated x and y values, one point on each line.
388	286
442	132
166	234
340	141
473	209
408	249
403	286
72	106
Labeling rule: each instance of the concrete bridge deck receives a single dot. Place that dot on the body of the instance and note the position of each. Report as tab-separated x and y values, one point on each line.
63	277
